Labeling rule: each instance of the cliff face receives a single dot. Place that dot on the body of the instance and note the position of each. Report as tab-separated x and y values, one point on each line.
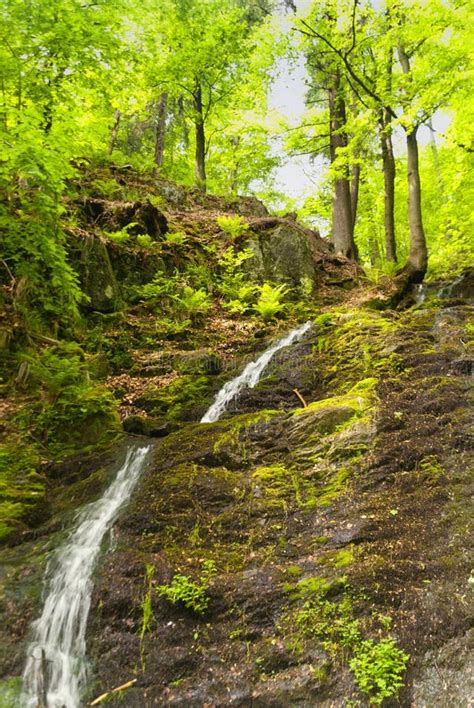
297	551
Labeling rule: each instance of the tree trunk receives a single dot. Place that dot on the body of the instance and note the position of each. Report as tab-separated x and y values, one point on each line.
342	220
160	132
200	140
418	256
388	161
355	181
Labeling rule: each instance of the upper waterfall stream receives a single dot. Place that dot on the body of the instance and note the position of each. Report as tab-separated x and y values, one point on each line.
251	375
56	668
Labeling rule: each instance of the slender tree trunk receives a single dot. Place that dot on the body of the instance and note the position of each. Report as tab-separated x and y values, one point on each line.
388	161
200	140
160	132
388	158
355	182
115	130
342	220
418	256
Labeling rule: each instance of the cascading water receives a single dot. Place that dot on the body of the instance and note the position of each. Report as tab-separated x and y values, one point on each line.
251	375
56	669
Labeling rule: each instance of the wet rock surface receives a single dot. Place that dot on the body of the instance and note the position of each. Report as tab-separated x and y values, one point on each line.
375	492
359	502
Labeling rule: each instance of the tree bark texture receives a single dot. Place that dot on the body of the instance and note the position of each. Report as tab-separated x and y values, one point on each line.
418	256
342	219
388	161
114	132
200	163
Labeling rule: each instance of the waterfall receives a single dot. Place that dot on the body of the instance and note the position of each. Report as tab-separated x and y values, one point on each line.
250	376
56	668
56	671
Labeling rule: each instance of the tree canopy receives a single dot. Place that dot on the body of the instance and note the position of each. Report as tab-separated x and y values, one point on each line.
182	87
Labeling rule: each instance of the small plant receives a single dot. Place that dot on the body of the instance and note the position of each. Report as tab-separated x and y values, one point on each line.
184	591
123	235
176	238
269	302
161	286
193	302
233	226
378	668
145	240
147	610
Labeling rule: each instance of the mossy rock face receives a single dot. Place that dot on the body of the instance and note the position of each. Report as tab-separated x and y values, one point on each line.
116	215
23	495
332	524
90	257
151	427
283	254
185	398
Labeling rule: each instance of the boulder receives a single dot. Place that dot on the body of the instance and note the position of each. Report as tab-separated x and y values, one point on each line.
116	215
152	427
90	258
285	253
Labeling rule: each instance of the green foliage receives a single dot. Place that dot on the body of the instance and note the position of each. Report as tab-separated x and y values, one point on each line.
176	238
72	411
145	241
379	668
193	302
122	236
161	286
186	592
269	301
234	282
147	610
233	226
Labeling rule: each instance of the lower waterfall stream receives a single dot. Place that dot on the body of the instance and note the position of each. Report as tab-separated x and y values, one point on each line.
56	669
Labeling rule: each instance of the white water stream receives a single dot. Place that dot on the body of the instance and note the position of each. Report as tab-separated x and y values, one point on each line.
250	376
56	668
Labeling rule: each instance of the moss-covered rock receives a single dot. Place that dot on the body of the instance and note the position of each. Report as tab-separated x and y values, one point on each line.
23	498
90	258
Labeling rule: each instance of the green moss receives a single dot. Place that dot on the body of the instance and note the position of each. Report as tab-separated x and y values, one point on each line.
236	426
179	398
359	398
338	559
378	666
10	692
333	488
22	489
